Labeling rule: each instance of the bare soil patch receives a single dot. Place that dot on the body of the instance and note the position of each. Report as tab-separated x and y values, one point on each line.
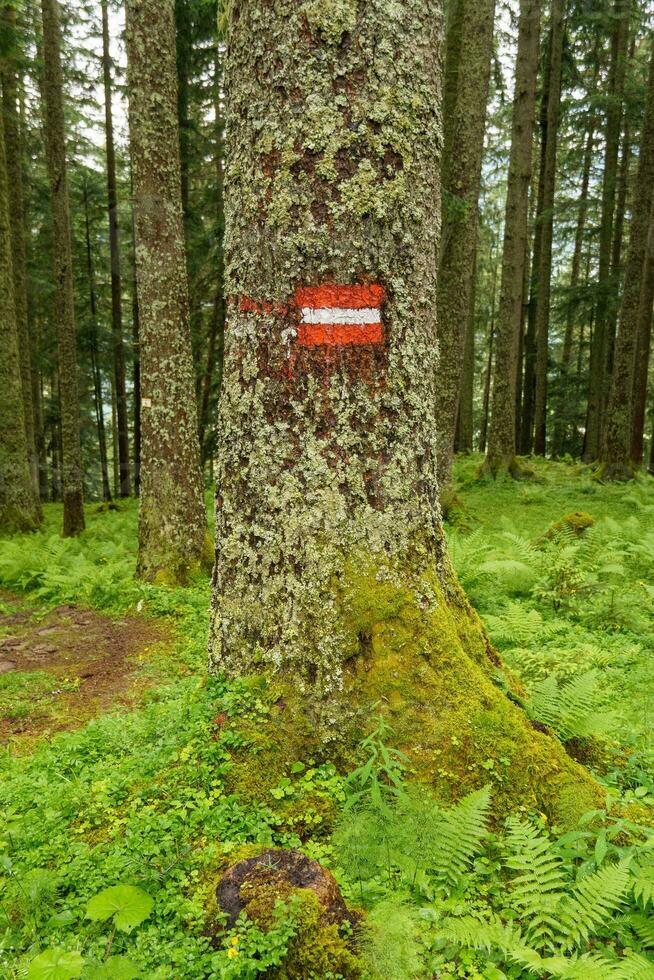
68	665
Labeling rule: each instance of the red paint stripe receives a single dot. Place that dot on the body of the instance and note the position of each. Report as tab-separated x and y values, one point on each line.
339	335
341	297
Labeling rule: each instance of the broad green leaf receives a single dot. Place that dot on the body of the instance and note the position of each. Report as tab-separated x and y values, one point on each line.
56	964
126	905
115	968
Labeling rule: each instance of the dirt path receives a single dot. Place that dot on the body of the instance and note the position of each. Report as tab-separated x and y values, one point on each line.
60	668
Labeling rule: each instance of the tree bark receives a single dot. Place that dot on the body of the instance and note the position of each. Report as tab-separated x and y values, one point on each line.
332	577
500	457
64	307
545	220
614	112
465	422
615	458
14	159
20	509
461	176
95	361
116	280
643	347
212	378
172	525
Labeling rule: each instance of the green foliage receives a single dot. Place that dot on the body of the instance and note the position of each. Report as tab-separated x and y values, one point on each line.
56	964
572	709
125	905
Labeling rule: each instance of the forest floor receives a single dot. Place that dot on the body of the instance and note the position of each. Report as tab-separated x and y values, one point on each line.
117	754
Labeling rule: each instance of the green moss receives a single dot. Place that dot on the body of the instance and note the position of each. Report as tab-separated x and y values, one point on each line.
578	522
317	949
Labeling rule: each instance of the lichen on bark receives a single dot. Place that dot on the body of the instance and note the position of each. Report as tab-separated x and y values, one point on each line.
332	578
172	521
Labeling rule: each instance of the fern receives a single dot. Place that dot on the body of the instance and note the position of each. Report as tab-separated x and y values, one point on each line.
538	888
643	926
572	709
593	903
642	885
459	835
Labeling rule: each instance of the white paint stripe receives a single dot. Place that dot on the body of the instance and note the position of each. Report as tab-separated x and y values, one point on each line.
341	316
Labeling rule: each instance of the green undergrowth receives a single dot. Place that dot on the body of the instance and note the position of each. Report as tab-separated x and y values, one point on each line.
149	806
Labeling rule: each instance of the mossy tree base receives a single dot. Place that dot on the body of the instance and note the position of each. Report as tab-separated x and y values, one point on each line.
420	656
499	467
615	472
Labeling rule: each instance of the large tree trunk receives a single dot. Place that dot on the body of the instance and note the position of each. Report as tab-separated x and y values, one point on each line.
64	308
615	457
461	178
20	508
500	457
172	526
116	280
332	572
614	112
545	219
14	158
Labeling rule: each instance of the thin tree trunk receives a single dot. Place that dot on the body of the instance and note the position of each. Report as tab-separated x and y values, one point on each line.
116	281
20	509
643	346
615	461
546	220
488	376
64	309
500	457
614	112
172	526
14	157
183	57
213	371
575	270
461	175
332	578
93	344
465	423
136	362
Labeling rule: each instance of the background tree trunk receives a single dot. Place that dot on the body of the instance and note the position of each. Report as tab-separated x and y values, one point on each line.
615	461
332	571
461	175
14	158
614	112
20	509
500	457
64	309
172	526
116	280
546	219
643	347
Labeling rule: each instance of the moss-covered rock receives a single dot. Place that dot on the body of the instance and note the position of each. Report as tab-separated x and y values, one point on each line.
578	522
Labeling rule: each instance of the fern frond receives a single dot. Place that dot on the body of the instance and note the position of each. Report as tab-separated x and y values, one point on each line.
590	966
593	904
643	926
459	836
642	886
485	935
635	967
538	888
571	709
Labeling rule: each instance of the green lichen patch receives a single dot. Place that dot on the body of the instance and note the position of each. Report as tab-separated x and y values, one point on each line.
331	19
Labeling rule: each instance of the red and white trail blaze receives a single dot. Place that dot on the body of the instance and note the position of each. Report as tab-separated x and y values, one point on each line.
340	316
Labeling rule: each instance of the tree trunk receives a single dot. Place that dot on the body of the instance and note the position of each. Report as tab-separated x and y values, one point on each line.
332	574
212	378
93	344
615	458
172	526
614	111
64	307
641	364
116	282
500	457
461	176
546	219
183	57
14	158
20	509
465	422
136	362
